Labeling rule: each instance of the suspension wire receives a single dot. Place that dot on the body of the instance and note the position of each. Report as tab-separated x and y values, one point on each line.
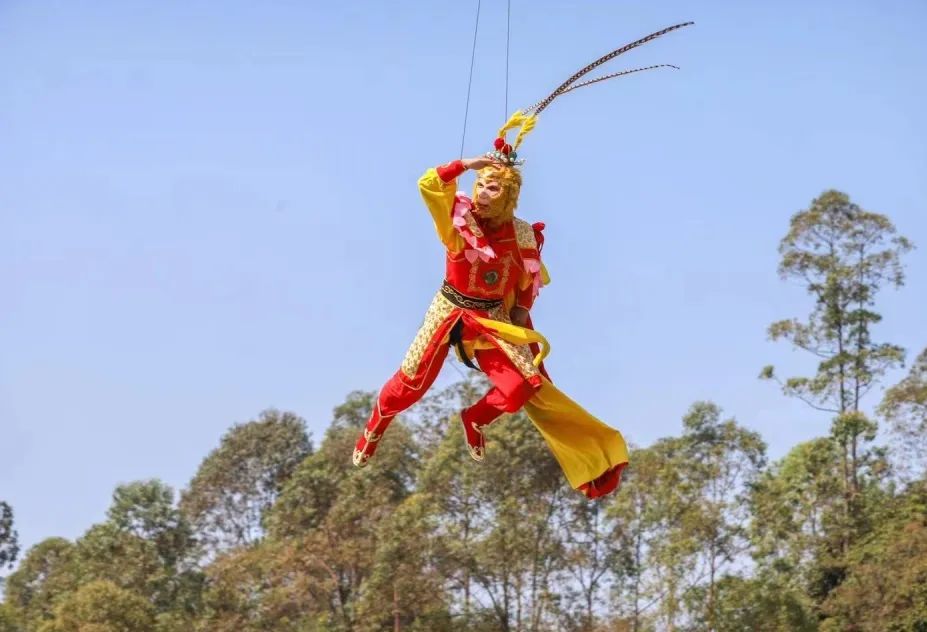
463	136
508	30
476	26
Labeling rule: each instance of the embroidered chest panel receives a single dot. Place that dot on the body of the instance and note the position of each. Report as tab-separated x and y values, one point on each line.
477	275
493	278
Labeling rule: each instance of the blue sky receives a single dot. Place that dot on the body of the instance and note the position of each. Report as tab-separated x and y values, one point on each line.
208	209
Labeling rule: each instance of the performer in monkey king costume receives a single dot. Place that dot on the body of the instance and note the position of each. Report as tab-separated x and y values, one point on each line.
493	275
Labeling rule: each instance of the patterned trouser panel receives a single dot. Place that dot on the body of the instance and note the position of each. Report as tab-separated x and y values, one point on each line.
425	357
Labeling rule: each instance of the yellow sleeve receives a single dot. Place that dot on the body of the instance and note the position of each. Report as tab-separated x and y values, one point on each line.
439	198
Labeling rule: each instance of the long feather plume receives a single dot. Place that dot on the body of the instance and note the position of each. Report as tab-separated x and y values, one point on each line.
565	86
603	78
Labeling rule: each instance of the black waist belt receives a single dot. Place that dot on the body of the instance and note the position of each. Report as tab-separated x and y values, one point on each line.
468	302
465	302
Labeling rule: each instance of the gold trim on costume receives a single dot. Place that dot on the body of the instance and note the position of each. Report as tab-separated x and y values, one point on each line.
520	355
471	281
477	452
439	310
468	302
506	269
474	226
360	458
524	235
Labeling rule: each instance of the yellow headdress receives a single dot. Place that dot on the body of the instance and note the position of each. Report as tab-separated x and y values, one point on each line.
506	153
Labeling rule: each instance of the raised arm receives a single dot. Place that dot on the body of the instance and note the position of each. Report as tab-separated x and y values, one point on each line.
438	187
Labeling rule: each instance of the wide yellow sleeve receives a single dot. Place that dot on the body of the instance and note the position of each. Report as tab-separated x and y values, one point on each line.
439	198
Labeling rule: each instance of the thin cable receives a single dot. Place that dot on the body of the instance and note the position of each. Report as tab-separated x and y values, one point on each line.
476	27
508	30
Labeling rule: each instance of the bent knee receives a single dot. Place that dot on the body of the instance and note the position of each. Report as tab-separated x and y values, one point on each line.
514	402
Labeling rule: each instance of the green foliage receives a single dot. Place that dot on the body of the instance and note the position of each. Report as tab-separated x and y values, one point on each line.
680	520
843	255
885	584
145	509
107	552
143	550
641	514
904	406
9	546
724	459
504	555
314	487
760	604
906	402
101	606
404	588
239	481
10	620
319	561
45	575
426	539
271	587
793	505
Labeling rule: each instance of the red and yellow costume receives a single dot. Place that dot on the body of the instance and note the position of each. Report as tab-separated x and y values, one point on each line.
489	271
494	265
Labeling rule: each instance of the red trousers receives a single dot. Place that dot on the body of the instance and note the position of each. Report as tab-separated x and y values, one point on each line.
508	394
